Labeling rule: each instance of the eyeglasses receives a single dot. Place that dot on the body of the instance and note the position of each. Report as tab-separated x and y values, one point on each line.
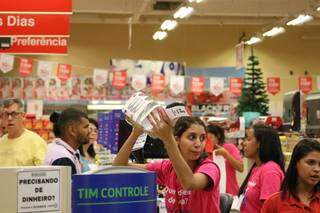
12	114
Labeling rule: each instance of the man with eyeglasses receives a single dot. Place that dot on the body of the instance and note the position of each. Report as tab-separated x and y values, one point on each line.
19	147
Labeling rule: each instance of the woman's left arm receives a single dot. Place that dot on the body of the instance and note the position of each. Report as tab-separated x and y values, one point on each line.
235	163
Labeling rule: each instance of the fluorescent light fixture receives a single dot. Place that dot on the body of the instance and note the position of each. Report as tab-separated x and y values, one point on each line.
104	107
253	40
274	31
301	19
197	1
159	35
318	8
183	12
169	25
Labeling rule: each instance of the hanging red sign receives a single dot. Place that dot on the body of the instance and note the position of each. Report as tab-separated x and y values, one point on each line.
157	83
37	45
305	84
119	80
34	6
64	71
25	25
197	85
25	66
235	86
273	85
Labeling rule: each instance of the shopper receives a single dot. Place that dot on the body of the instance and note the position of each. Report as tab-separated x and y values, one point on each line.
88	151
231	154
300	190
71	130
192	181
19	147
263	146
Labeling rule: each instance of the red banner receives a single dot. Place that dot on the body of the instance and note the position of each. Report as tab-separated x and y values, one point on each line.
26	25
119	80
197	85
64	71
157	83
305	84
273	85
37	45
36	6
236	86
25	66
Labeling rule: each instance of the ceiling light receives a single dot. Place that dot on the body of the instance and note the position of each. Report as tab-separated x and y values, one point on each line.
169	25
183	12
253	40
318	8
300	20
274	31
159	35
197	1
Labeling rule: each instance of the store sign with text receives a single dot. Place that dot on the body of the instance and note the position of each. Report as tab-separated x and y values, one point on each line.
210	109
119	80
34	24
37	45
236	86
25	66
61	6
197	85
64	71
126	192
305	84
273	85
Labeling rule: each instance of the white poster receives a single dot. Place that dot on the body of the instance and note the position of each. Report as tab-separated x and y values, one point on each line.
177	84
6	62
45	69
318	82
240	55
38	191
35	107
216	86
139	82
100	76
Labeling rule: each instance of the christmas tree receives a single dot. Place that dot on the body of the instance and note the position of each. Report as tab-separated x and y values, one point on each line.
254	97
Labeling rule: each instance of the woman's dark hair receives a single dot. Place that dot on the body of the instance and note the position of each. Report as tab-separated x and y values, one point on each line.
290	182
90	149
183	124
54	117
218	131
269	149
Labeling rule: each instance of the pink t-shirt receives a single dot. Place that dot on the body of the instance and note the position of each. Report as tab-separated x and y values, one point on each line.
232	184
183	201
264	181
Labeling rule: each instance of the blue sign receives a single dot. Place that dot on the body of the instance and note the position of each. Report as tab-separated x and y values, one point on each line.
131	192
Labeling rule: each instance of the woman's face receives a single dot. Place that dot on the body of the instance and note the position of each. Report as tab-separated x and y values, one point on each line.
250	145
308	169
93	135
192	142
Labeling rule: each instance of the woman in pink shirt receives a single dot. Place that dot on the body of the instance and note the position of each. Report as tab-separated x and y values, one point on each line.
263	146
232	155
191	180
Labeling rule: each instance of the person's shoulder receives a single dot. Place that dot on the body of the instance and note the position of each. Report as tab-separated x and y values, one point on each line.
207	163
229	146
34	135
271	167
272	203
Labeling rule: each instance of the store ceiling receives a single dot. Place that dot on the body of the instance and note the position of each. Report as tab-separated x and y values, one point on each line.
209	12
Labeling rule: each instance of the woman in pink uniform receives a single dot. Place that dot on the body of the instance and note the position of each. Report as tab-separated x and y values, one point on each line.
263	146
231	154
191	180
